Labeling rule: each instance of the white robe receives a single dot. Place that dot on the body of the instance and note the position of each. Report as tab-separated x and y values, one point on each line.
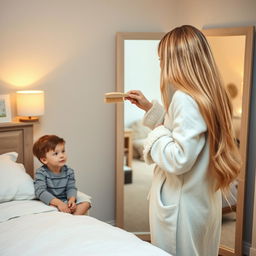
185	211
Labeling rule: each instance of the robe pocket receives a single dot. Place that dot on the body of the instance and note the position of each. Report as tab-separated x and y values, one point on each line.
167	226
165	211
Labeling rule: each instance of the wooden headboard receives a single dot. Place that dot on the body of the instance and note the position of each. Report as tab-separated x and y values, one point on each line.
18	137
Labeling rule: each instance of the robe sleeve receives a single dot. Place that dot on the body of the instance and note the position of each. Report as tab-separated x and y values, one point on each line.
154	116
176	150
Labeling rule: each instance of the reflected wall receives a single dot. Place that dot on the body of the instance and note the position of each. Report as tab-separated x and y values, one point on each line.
141	72
229	54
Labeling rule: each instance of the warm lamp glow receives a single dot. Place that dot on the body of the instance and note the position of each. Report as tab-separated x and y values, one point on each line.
21	78
30	104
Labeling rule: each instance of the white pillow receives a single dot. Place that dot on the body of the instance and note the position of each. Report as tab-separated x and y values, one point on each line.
15	183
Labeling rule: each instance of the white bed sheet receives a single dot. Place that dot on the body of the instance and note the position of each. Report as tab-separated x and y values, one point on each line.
14	209
29	228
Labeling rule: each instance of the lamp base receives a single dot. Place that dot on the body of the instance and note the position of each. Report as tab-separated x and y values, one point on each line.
28	119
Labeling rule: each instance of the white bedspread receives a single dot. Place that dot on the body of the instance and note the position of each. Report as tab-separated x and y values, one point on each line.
41	230
15	209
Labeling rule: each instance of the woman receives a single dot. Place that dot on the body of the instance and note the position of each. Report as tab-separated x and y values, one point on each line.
192	144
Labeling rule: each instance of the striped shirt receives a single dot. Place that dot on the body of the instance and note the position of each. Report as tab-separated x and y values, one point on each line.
50	185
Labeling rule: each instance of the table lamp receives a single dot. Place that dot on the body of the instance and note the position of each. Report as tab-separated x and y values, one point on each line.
30	105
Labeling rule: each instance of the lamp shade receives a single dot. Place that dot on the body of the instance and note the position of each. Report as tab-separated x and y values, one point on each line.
30	103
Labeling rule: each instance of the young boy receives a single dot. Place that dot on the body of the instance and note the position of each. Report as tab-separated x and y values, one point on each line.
54	181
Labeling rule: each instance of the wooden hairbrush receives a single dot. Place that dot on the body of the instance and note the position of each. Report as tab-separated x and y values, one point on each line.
114	97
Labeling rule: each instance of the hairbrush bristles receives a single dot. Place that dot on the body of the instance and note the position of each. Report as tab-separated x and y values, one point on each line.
113	100
114	97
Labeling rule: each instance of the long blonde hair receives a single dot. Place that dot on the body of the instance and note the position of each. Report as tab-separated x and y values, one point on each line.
188	65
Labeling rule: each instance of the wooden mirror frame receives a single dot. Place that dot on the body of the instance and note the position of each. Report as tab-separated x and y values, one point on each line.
248	32
253	245
247	81
120	38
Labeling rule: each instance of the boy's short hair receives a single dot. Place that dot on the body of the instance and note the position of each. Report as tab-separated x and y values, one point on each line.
46	143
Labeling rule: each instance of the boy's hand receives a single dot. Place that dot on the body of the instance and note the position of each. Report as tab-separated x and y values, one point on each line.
72	204
63	207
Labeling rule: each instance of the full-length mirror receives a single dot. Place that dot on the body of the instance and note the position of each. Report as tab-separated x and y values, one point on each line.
232	49
138	68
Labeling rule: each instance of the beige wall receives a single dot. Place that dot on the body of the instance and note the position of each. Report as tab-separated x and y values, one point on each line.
218	13
67	48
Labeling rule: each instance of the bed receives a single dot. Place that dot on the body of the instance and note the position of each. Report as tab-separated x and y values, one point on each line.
28	227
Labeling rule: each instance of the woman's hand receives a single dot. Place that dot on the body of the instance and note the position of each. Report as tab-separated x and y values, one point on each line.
137	97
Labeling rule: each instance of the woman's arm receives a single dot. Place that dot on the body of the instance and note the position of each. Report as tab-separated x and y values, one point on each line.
177	150
155	116
137	97
154	111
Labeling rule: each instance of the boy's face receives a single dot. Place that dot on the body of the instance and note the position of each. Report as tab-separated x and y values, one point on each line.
55	158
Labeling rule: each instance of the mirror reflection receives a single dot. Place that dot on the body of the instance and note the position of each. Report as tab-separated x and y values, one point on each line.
141	71
229	54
